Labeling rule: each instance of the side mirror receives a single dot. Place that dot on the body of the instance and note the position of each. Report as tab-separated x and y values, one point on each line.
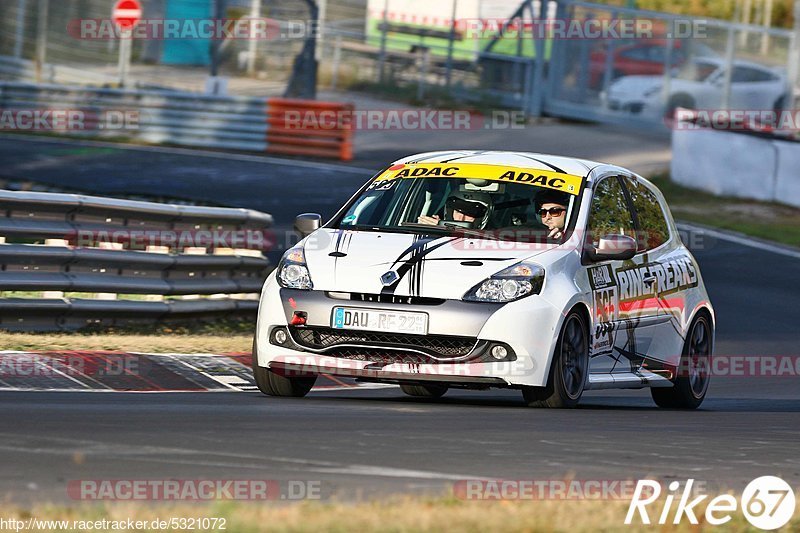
307	223
612	247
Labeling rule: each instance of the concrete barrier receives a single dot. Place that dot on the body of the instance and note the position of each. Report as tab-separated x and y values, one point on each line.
738	164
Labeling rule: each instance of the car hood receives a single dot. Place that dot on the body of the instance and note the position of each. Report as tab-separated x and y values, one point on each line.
634	86
431	266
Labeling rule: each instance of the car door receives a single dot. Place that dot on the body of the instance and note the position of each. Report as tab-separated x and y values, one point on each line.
620	295
671	264
664	259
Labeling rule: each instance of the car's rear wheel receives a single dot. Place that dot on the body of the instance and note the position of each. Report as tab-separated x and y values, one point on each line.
690	386
569	369
273	384
433	390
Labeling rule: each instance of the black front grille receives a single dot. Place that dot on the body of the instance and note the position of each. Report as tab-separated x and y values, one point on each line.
380	355
441	346
385	298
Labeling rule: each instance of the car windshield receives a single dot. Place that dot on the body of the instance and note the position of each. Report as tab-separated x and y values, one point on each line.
488	208
696	71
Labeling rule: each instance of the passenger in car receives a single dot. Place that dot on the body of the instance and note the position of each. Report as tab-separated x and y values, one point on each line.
551	206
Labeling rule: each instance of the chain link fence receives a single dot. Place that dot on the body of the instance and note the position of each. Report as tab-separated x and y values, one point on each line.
705	65
539	57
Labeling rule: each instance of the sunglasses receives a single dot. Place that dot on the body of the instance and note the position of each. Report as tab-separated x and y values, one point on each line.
553	211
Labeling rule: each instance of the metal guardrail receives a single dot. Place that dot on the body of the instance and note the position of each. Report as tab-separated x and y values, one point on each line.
186	119
111	247
15	69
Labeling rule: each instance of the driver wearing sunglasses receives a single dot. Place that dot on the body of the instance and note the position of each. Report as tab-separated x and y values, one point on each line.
551	206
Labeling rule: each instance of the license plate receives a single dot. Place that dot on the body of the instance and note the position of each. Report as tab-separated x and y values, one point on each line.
379	320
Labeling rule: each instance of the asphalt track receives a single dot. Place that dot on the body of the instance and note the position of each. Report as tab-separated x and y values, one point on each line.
370	442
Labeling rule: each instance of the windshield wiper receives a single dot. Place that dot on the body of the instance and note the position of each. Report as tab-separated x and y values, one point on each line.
453	229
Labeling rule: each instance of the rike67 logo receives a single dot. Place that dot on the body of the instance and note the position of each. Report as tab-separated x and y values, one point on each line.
768	502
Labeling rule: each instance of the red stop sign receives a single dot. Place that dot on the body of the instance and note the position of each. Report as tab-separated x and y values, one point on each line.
126	13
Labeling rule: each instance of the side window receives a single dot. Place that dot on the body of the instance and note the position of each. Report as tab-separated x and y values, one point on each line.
750	75
652	222
609	212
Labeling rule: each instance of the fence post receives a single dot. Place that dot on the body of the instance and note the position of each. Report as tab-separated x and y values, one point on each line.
609	66
255	13
384	30
667	70
793	68
337	59
583	70
538	82
424	56
450	43
20	34
41	38
556	65
729	51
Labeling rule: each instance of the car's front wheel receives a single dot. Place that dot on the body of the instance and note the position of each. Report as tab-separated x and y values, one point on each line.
569	369
433	390
274	384
690	386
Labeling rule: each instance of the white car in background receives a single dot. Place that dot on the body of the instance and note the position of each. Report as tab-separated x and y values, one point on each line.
699	84
440	273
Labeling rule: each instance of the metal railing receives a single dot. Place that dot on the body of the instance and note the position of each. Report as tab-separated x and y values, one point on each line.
68	260
185	119
151	116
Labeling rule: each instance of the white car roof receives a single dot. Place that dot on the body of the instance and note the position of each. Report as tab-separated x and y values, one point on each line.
720	62
567	165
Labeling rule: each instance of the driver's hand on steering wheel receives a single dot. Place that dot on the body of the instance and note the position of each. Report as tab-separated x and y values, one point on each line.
431	221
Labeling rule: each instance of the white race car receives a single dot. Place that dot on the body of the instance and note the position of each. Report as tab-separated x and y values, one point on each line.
700	84
477	269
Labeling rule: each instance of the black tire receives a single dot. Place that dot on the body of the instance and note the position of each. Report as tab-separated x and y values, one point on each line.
272	384
569	369
433	390
676	101
690	386
779	104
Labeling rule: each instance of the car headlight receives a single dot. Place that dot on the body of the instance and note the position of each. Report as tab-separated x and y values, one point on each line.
293	271
512	283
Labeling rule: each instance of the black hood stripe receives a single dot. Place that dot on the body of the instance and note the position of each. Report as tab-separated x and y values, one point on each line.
545	163
419	249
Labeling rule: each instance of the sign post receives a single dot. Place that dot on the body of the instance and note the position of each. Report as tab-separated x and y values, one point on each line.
126	14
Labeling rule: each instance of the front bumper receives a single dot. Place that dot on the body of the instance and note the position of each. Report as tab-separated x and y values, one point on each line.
526	327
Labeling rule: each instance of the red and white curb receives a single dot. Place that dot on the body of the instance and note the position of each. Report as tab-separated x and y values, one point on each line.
107	371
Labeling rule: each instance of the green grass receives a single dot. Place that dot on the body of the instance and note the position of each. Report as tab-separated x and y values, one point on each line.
219	336
395	514
763	220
